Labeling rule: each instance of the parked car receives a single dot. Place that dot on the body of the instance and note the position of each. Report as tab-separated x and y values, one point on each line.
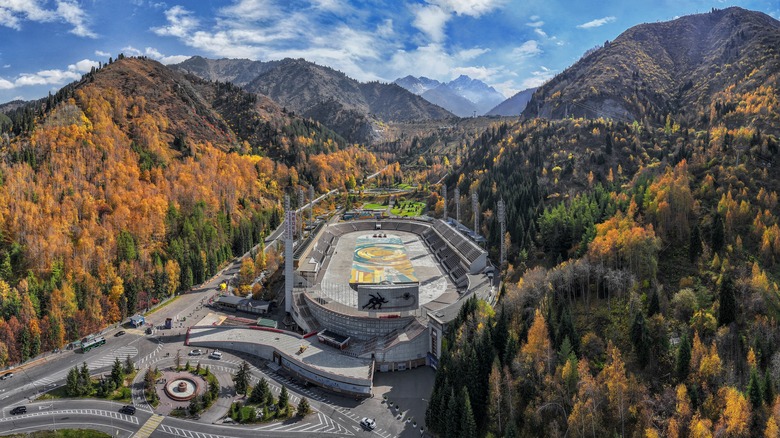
196	352
368	423
127	409
19	410
6	376
119	333
215	355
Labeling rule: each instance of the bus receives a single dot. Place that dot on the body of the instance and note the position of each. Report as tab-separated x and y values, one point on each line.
88	344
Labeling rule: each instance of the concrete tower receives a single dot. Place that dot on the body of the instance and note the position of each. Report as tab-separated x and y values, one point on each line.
475	210
289	230
457	204
444	196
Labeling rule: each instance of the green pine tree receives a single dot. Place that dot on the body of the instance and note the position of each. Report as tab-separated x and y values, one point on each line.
117	373
260	392
284	399
72	383
453	423
654	306
129	366
727	312
769	390
695	245
468	426
754	390
639	339
303	408
683	358
241	378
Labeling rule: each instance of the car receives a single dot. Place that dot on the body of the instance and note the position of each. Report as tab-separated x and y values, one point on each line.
368	423
196	352
6	376
119	333
127	409
19	410
215	355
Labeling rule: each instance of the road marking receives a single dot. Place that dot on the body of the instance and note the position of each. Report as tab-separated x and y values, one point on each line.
93	412
149	427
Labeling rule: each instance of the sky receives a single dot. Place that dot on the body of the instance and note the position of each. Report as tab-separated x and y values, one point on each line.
509	44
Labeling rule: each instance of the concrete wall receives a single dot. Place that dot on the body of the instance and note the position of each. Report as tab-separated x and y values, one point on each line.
355	326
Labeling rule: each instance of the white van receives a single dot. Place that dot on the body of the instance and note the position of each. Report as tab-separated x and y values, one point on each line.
215	355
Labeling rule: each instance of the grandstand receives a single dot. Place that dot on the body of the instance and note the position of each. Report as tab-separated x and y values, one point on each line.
418	281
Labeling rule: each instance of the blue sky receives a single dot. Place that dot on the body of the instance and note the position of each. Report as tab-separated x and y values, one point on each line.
510	44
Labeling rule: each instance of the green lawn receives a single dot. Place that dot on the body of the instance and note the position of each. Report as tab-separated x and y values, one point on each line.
408	208
372	206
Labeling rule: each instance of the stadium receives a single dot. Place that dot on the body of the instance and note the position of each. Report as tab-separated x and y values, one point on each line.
366	296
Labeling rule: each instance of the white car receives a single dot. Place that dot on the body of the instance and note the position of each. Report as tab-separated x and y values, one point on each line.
215	355
368	423
196	352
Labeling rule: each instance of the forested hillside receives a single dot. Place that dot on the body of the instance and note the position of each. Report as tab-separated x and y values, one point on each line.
641	296
135	183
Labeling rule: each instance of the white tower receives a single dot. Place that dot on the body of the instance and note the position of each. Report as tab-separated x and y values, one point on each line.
289	229
457	204
444	196
502	224
301	203
475	210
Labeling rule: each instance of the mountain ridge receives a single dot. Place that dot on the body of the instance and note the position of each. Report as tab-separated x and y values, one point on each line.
677	67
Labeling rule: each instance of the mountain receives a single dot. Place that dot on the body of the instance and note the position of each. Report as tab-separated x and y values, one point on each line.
353	109
513	106
446	97
484	96
10	106
237	71
419	85
133	184
686	67
462	96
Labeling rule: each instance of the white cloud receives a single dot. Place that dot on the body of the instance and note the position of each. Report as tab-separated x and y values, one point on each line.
181	23
13	12
469	54
482	73
540	32
538	78
102	53
250	10
527	49
596	23
472	8
7	66
51	76
385	28
431	20
73	14
537	23
155	54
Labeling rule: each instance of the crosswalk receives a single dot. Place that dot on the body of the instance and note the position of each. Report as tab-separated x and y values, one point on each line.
188	433
320	424
102	361
106	360
151	424
92	412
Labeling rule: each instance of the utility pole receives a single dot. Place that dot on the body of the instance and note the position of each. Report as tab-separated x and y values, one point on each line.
444	196
457	204
475	210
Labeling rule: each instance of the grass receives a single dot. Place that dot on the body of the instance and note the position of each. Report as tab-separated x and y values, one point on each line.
408	208
165	303
122	394
62	433
372	206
